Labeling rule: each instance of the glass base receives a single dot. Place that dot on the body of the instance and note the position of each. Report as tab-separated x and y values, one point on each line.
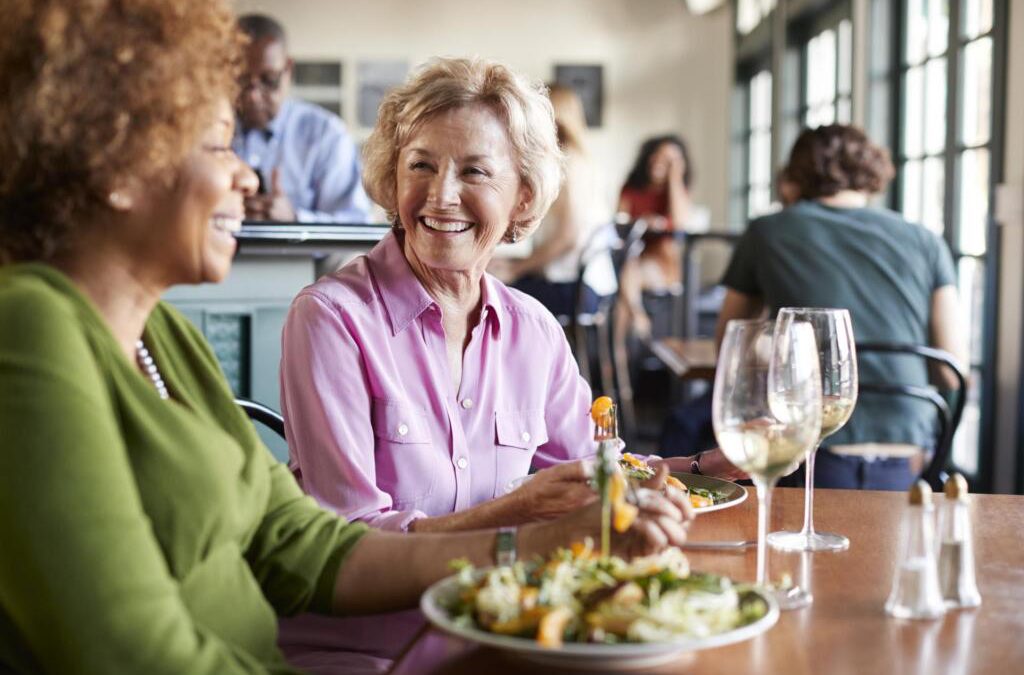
798	541
794	597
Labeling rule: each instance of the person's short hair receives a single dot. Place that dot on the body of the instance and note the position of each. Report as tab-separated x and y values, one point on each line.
96	94
445	84
837	157
640	175
260	26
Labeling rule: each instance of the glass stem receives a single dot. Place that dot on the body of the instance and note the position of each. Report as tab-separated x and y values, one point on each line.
764	500
808	529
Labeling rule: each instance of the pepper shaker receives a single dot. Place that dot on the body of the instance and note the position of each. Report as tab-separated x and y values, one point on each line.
956	547
915	586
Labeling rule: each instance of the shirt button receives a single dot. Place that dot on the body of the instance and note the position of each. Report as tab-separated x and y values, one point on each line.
403	429
526	437
467	403
462	463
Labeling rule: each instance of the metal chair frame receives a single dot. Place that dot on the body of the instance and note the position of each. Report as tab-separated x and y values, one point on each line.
949	419
265	415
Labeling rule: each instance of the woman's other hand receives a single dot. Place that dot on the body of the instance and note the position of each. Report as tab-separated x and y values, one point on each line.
555	491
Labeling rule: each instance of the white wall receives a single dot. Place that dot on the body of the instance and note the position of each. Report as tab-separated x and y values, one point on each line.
664	70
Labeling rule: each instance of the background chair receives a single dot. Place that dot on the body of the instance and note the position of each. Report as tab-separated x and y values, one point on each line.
266	416
948	415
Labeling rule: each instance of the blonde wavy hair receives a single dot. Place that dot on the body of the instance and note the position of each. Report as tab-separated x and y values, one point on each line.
446	83
94	93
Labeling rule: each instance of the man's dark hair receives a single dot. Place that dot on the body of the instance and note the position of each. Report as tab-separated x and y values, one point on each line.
260	26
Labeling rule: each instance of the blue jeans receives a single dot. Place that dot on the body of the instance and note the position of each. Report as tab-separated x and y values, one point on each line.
854	473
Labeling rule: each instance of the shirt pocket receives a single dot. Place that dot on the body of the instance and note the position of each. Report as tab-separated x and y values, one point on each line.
518	434
404	455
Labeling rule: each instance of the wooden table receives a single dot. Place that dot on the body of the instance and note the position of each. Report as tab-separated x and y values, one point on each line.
688	359
846	629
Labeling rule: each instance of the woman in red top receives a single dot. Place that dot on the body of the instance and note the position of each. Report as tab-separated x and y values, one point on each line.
657	190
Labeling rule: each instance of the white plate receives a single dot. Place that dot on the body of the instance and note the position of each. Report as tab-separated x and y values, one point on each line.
735	494
589	657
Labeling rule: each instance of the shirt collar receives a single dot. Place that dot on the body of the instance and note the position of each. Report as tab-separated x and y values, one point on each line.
403	295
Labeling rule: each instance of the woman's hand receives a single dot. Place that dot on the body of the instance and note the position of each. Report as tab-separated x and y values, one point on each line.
663	520
712	463
555	491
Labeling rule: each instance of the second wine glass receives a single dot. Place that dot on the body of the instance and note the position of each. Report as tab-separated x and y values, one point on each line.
766	407
833	331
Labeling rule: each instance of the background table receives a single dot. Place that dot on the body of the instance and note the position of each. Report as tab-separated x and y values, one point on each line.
846	629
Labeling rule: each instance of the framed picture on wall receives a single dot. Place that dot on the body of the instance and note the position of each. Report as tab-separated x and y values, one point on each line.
588	83
376	78
319	82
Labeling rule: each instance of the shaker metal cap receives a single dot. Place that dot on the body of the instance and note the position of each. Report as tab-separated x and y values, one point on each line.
920	494
956	487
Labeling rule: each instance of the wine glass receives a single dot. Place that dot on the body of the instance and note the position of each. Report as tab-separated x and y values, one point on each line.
766	407
834	333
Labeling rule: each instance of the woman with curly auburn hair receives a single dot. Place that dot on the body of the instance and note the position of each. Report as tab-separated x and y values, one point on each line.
145	527
829	248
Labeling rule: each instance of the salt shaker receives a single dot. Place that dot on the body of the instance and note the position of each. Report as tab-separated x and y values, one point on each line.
956	549
915	586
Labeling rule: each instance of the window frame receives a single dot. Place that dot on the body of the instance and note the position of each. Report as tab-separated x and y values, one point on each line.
953	150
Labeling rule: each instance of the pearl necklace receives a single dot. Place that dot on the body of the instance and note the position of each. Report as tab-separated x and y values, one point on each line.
149	366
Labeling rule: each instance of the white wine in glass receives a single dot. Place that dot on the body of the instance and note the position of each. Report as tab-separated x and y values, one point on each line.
838	356
766	407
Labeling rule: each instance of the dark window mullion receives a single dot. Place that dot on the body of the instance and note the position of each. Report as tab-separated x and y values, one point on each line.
954	110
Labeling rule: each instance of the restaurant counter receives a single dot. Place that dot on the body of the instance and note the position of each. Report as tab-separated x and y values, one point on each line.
243	316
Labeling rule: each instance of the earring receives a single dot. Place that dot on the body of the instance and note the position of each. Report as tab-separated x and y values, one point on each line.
119	200
514	235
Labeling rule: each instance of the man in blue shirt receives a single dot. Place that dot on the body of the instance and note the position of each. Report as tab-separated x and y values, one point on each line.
307	163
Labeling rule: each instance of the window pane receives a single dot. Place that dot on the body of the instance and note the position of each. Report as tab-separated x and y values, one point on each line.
911	192
933	191
761	100
844	111
760	201
971	287
845	56
916	31
938	26
935	107
974	201
977	17
977	92
965	444
913	112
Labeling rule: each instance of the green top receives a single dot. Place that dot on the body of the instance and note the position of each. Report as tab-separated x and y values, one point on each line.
871	262
140	535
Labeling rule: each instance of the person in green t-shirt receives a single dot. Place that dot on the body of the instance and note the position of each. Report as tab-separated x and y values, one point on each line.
830	249
144	526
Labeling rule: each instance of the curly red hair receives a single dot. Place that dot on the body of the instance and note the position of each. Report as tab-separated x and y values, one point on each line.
95	92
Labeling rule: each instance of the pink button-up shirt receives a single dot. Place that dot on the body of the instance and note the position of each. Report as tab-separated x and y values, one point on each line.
376	430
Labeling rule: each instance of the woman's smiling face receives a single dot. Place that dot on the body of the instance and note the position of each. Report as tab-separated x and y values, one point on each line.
458	189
